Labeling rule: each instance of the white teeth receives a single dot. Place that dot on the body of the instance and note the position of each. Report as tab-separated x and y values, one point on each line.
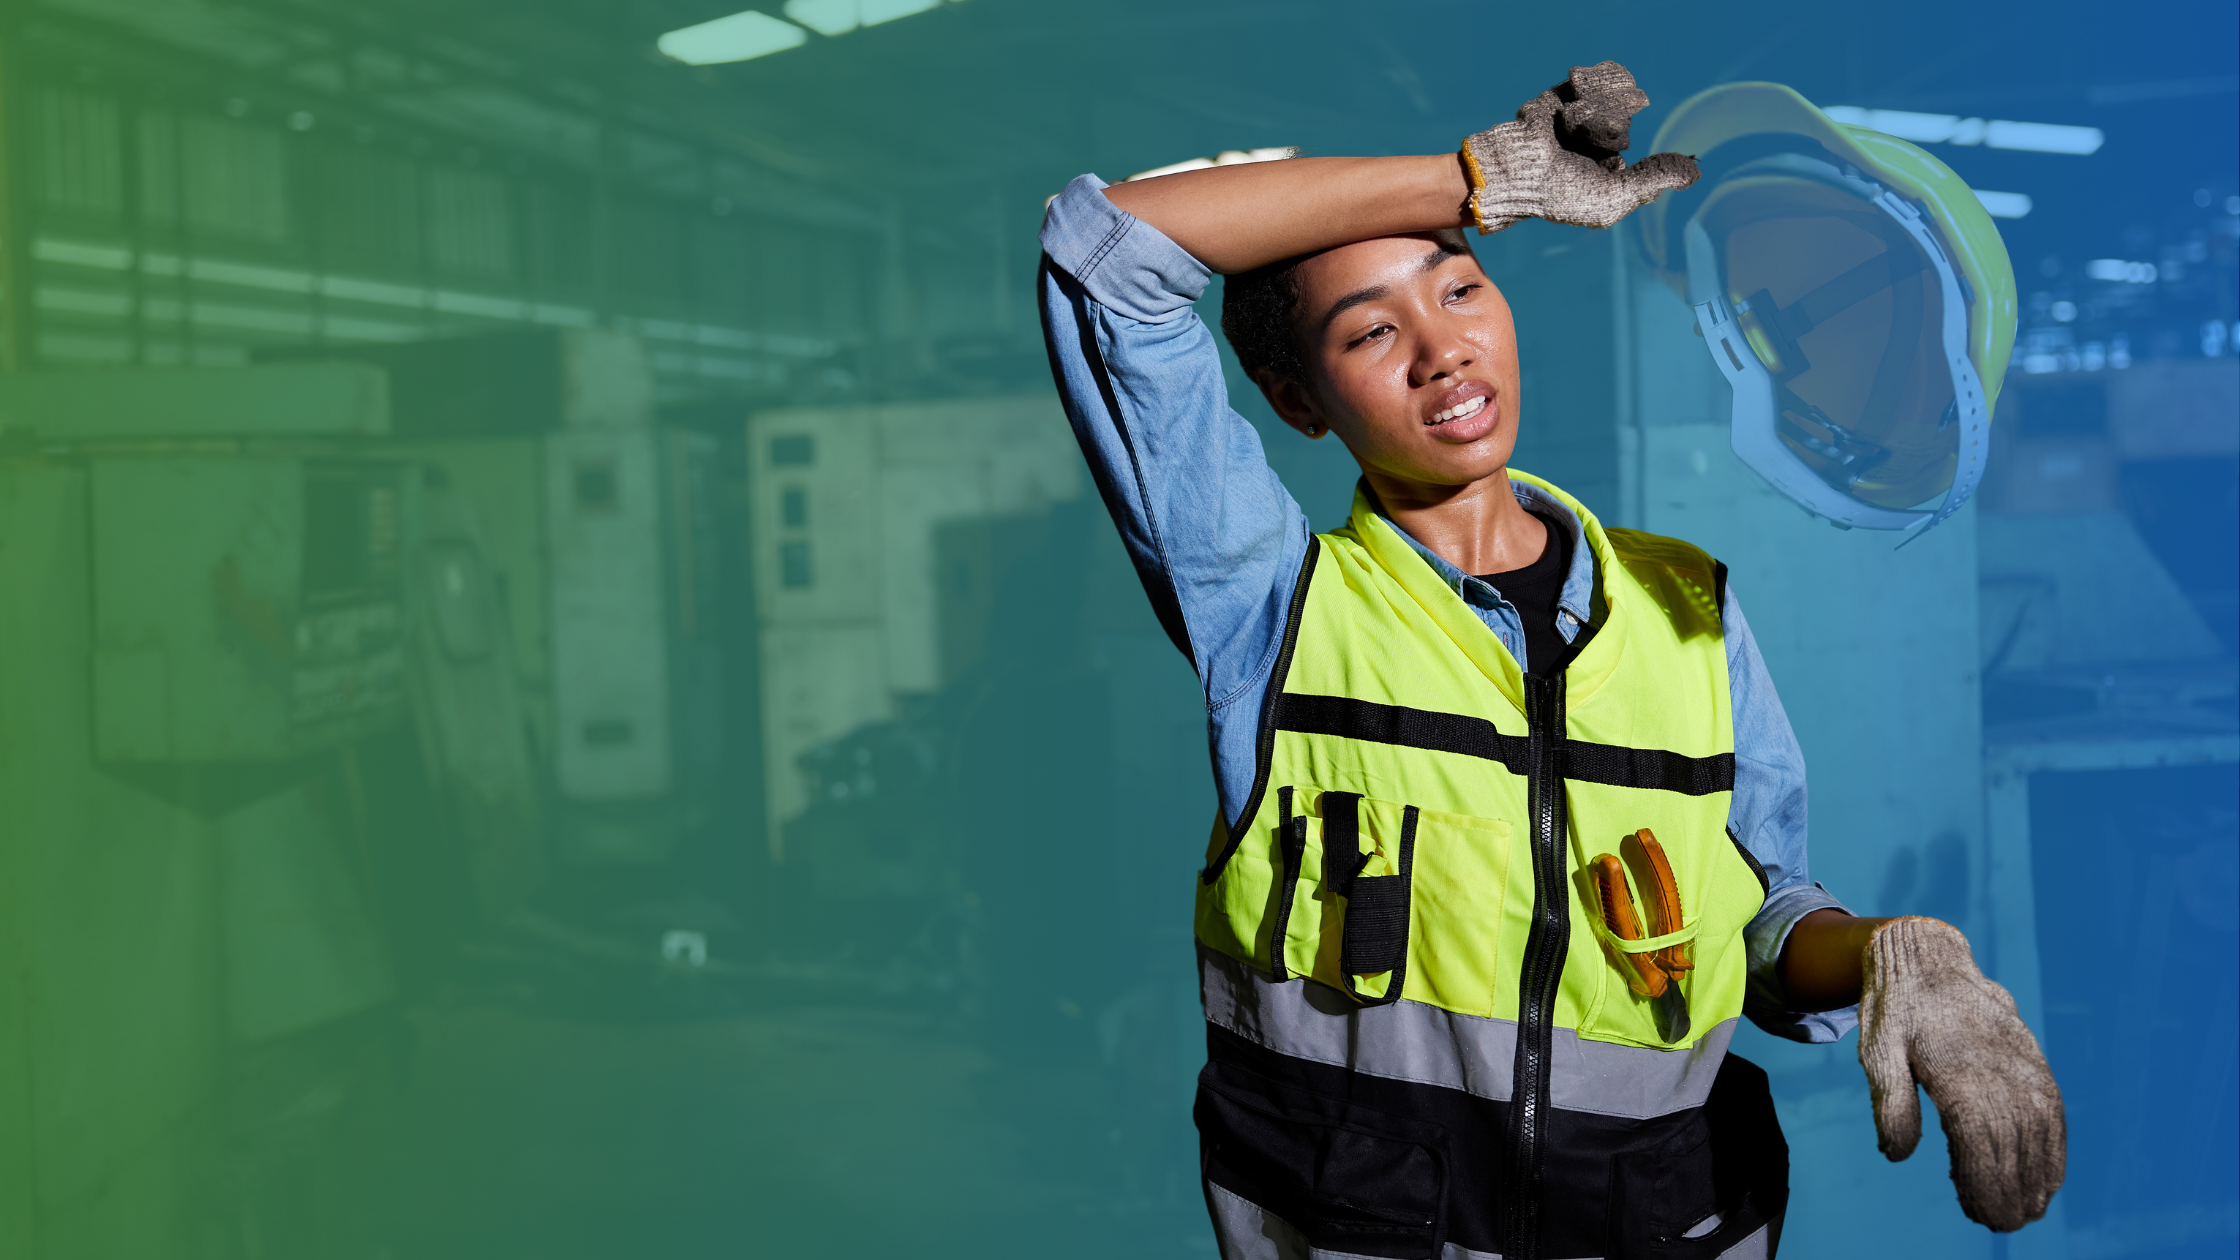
1471	408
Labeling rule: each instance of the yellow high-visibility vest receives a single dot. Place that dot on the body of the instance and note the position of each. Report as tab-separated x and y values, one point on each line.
1420	1026
1419	796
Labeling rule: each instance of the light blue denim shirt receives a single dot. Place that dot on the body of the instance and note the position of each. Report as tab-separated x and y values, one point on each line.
1218	543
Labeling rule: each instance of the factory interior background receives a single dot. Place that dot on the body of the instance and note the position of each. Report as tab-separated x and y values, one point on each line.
564	692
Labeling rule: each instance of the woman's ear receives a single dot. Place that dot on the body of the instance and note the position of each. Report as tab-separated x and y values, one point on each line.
1294	403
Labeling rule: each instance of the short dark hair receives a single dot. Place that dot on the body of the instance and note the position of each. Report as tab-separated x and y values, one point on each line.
1260	311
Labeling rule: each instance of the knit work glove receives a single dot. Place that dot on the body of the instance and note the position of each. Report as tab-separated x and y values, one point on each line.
1928	1015
1559	159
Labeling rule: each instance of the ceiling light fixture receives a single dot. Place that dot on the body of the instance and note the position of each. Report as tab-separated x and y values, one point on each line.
2121	271
1996	133
2004	205
825	17
1227	157
740	37
877	11
838	17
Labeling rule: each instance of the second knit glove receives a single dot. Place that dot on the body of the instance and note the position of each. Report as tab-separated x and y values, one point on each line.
1929	1015
1559	159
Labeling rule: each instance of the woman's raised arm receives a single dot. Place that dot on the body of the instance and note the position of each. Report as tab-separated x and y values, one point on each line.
1235	218
1558	160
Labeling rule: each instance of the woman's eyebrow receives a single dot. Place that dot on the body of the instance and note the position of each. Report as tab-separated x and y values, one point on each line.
1351	300
1432	261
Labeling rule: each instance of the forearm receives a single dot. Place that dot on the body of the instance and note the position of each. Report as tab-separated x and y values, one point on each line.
1823	964
1235	218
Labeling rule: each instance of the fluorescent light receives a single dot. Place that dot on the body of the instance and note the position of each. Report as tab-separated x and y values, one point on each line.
740	37
1919	128
1192	164
877	11
2120	271
2003	205
2044	138
825	17
1227	157
1953	129
838	17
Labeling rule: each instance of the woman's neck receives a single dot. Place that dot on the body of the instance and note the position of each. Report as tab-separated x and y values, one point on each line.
1477	528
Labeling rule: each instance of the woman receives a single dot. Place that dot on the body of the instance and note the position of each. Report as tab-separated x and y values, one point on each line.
1513	824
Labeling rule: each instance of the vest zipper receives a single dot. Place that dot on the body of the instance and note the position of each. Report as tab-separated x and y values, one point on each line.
1545	947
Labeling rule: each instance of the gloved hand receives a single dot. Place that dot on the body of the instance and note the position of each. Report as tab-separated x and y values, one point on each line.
1929	1015
1560	161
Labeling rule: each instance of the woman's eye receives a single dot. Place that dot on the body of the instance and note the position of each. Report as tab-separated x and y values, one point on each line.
1464	290
1369	336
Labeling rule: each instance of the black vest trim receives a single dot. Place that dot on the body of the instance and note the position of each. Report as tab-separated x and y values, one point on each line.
1368	1165
1652	769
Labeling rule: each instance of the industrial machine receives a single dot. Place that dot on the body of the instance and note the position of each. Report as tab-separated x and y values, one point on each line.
207	613
599	530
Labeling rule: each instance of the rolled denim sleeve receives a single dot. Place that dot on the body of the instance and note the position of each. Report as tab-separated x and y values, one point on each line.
1768	816
1215	538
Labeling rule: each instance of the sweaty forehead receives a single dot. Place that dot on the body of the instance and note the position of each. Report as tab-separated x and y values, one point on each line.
1333	282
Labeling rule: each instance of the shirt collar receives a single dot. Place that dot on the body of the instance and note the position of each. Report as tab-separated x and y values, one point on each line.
1578	585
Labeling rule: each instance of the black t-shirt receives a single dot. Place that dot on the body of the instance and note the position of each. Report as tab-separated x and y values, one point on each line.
1534	590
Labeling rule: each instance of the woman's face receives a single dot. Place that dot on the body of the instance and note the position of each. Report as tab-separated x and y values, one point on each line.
1412	361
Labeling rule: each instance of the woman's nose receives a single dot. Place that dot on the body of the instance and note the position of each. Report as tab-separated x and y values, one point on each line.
1441	357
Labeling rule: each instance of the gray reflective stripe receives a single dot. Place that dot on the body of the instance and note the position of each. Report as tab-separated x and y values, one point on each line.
1409	1041
1758	1246
1247	1231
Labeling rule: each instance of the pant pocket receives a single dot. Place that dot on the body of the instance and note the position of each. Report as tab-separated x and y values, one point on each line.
1667	1193
1350	1178
1719	1179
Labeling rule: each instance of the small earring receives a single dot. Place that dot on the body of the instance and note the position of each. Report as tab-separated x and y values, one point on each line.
1314	430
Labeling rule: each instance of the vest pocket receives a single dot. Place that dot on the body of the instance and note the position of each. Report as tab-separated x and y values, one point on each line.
1376	931
1352	1179
1715	894
1364	894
